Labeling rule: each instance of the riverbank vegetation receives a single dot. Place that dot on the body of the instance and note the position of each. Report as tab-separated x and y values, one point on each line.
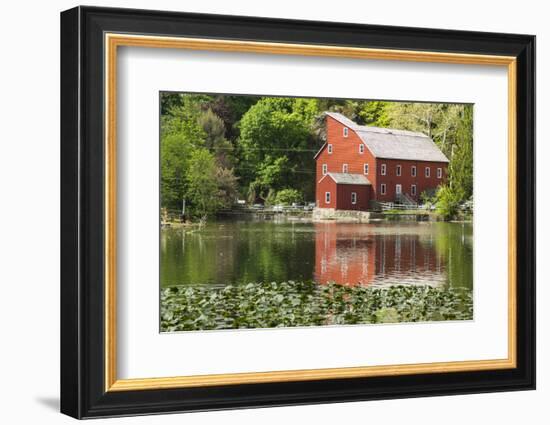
289	304
216	149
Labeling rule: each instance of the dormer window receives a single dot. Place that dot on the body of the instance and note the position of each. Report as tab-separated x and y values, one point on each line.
361	148
329	148
345	132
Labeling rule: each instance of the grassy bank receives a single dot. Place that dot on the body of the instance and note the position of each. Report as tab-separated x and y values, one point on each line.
286	304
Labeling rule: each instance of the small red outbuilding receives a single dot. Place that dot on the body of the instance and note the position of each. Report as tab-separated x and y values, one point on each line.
344	191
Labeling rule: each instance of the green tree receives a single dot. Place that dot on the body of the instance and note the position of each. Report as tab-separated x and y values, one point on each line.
363	112
174	156
272	174
215	141
227	186
169	101
448	201
202	183
459	187
421	117
374	113
439	121
231	109
276	132
461	168
288	197
271	125
194	158
180	137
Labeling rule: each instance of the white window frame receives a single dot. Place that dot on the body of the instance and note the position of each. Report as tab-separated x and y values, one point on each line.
329	148
413	189
413	171
353	198
361	149
398	170
345	168
366	169
346	132
325	169
327	197
382	169
400	192
383	189
427	172
440	173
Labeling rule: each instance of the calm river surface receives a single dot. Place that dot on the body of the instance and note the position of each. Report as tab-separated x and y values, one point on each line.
380	254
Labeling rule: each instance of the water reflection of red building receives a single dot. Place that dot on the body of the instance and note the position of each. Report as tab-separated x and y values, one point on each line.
354	254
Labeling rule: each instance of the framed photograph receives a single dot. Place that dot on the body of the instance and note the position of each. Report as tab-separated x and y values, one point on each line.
261	212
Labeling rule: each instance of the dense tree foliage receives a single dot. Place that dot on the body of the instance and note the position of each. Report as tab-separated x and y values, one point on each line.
275	145
288	197
216	149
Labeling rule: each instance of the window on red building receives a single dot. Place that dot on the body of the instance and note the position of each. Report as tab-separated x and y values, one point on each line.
439	173
413	190
427	172
383	188
329	148
345	168
327	197
398	170
345	132
325	169
353	198
361	148
413	171
366	168
383	169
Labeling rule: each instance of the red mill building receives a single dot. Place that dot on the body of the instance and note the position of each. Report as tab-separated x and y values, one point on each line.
359	164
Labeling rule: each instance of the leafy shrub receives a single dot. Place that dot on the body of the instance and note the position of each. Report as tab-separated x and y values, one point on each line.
288	197
448	202
428	197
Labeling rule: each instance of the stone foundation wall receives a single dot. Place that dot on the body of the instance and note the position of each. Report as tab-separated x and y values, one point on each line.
320	214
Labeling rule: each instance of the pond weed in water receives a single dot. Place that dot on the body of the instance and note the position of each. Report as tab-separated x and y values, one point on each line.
291	304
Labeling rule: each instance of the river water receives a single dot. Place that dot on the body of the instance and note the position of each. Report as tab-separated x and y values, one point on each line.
377	254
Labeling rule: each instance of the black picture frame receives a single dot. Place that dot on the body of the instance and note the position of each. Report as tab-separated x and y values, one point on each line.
83	392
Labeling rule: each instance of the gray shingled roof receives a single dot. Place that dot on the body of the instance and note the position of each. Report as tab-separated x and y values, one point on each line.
348	178
394	144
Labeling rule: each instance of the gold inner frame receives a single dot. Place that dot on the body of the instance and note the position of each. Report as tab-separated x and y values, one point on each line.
113	41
